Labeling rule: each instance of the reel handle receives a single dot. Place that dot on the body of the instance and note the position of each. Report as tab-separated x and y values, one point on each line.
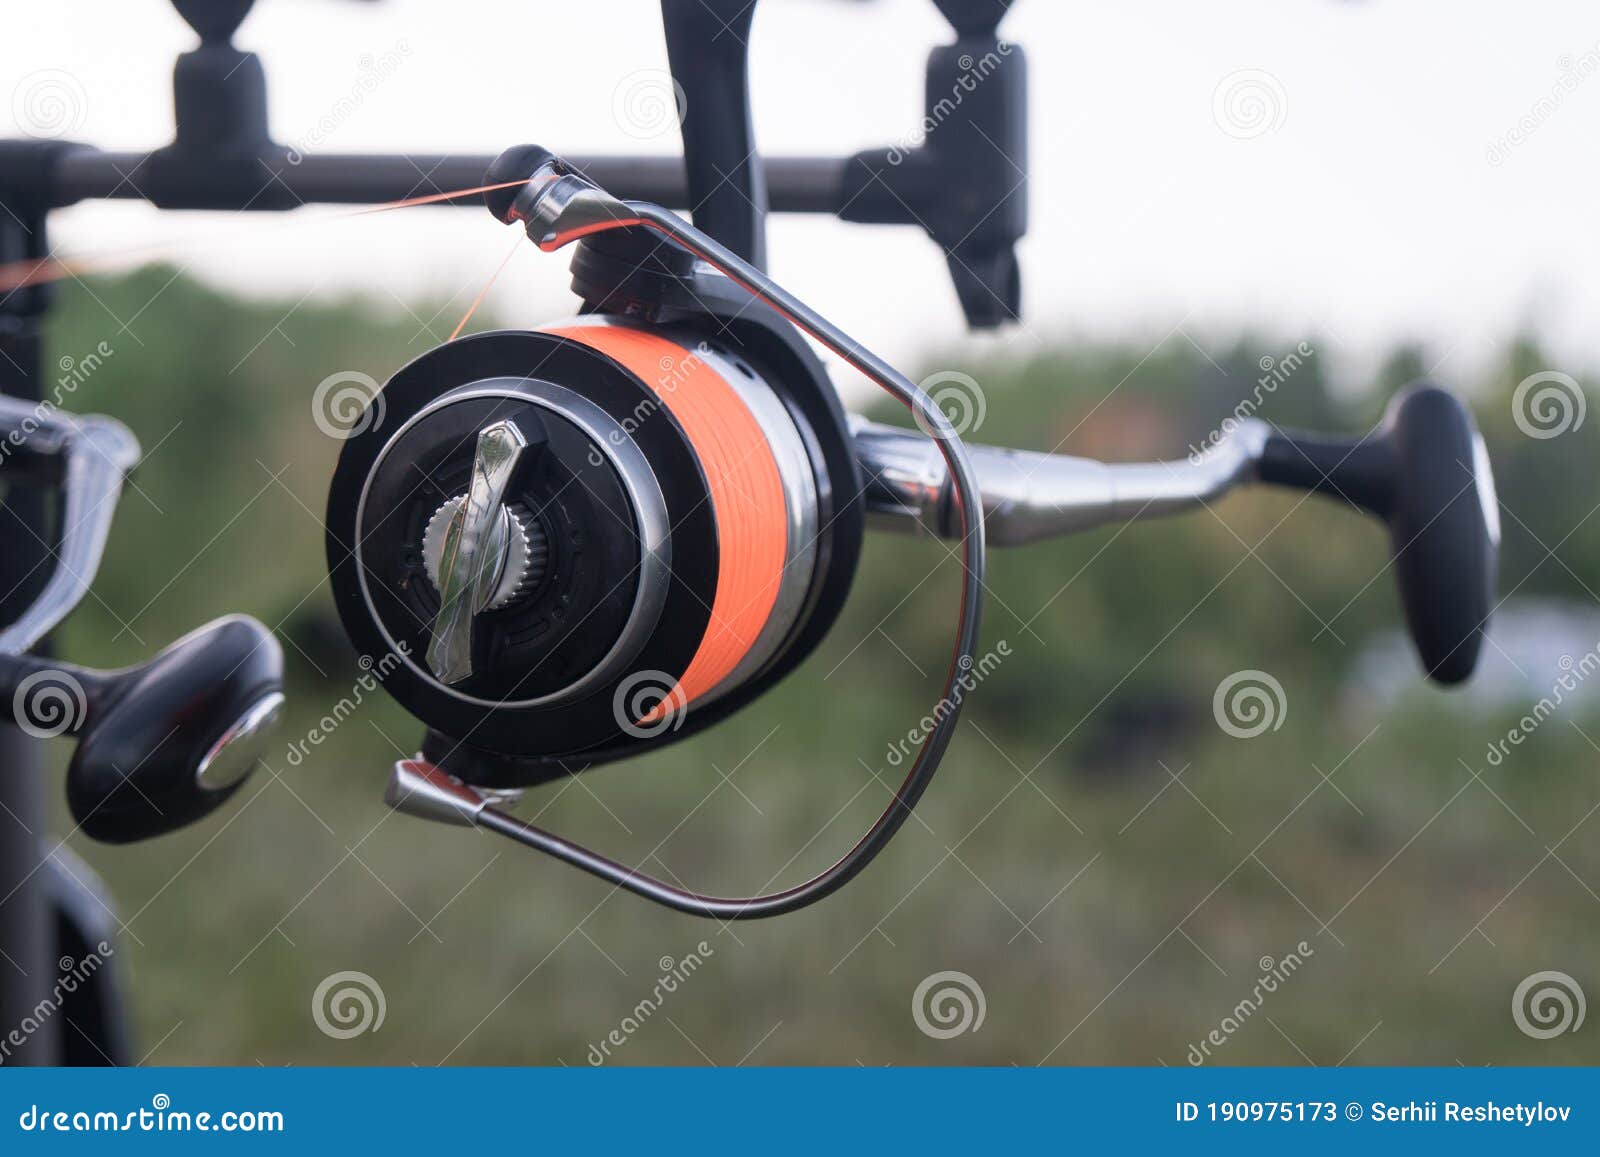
1423	471
161	743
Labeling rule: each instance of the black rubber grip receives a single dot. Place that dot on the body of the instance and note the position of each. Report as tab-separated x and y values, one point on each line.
1423	473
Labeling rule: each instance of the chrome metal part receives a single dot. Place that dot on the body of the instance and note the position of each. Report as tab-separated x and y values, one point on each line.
420	789
523	561
1028	496
477	542
233	756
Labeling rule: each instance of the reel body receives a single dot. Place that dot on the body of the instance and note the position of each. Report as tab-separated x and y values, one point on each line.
746	518
614	531
673	546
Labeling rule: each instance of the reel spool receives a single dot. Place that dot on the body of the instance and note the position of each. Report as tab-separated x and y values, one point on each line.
665	543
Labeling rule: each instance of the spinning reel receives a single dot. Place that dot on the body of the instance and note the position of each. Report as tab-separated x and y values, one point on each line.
162	743
571	545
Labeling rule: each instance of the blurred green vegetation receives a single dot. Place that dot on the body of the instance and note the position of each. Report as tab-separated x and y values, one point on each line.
1110	913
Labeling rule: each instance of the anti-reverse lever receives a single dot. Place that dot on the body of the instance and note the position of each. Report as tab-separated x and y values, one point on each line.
1423	471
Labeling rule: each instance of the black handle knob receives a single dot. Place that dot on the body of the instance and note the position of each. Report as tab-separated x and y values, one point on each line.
160	744
1425	472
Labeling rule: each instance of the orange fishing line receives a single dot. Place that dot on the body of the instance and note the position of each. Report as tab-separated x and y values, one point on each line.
484	292
37	271
747	498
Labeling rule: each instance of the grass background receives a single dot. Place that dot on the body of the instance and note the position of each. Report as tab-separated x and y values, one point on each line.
1110	913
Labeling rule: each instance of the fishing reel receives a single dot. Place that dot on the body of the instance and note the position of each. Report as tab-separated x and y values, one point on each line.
161	743
567	546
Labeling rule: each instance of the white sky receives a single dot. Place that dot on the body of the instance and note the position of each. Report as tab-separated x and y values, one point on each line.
1370	213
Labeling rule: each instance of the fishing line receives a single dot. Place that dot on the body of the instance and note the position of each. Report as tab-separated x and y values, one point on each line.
42	270
484	292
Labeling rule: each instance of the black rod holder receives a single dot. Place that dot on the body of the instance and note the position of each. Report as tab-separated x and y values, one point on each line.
708	48
27	940
273	182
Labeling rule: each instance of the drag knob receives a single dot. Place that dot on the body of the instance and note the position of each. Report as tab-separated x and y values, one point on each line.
474	548
1425	472
522	564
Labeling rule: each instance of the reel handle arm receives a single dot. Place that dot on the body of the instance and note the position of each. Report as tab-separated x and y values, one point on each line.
1029	497
1360	472
94	691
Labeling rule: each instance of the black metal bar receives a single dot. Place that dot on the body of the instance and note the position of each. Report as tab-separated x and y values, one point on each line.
707	46
796	184
27	940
